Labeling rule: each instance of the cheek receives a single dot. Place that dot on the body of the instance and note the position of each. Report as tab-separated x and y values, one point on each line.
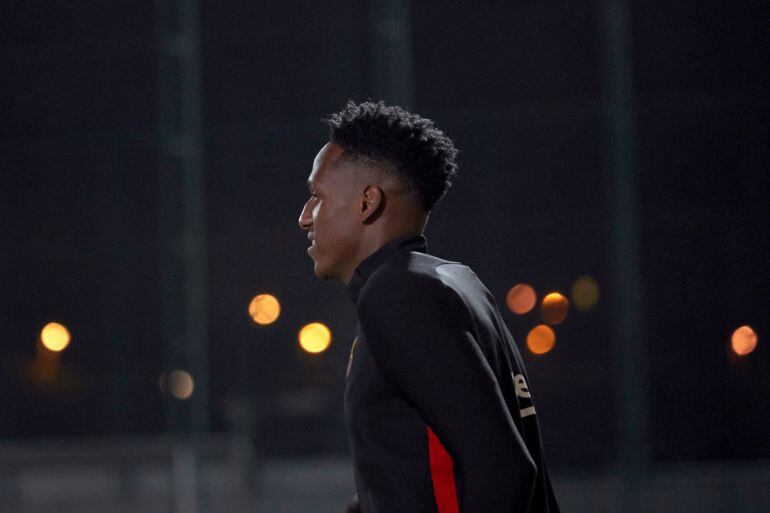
339	223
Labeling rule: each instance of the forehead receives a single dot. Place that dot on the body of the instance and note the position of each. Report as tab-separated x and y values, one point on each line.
325	171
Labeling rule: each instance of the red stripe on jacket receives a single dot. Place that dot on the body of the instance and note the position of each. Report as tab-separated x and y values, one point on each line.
442	474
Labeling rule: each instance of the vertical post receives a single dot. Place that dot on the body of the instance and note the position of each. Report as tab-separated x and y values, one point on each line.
391	77
630	359
195	222
183	255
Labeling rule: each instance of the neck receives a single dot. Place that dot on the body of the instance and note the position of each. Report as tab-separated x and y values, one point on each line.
374	241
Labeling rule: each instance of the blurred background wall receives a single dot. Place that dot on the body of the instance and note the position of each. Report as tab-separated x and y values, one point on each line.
152	172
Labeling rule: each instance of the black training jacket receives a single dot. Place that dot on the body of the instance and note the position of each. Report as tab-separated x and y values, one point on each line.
438	411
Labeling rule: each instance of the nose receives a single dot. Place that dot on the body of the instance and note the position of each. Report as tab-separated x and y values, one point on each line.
305	217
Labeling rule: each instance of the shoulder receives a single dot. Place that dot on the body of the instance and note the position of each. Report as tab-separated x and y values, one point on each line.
409	284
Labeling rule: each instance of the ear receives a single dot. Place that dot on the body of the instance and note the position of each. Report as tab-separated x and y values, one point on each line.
372	203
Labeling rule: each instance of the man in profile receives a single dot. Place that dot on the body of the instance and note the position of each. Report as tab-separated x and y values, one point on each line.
437	407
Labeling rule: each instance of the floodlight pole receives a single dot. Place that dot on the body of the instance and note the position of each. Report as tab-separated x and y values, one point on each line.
630	354
392	76
183	254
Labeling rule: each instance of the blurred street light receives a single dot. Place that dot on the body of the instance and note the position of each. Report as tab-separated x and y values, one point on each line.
554	308
264	309
541	339
181	384
315	338
744	340
585	293
521	298
55	337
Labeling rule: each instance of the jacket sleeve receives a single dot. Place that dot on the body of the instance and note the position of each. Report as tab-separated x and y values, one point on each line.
422	340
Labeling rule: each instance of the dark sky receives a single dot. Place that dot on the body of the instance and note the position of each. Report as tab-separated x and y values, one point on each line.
520	87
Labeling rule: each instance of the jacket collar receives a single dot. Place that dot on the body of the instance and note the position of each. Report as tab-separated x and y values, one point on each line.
371	263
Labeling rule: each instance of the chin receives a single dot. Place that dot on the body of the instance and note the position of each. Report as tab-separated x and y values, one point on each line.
320	272
323	273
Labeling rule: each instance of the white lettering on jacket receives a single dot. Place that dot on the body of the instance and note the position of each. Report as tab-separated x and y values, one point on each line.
520	384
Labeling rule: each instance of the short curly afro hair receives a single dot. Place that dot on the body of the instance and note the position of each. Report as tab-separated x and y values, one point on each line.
407	143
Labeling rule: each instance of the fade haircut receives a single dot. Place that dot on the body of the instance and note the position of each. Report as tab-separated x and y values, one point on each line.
404	143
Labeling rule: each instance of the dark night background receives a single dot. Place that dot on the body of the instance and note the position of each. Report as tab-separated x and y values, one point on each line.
518	86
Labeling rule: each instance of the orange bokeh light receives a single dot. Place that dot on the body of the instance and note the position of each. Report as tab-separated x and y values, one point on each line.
264	309
554	308
521	298
315	338
541	339
55	337
744	340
